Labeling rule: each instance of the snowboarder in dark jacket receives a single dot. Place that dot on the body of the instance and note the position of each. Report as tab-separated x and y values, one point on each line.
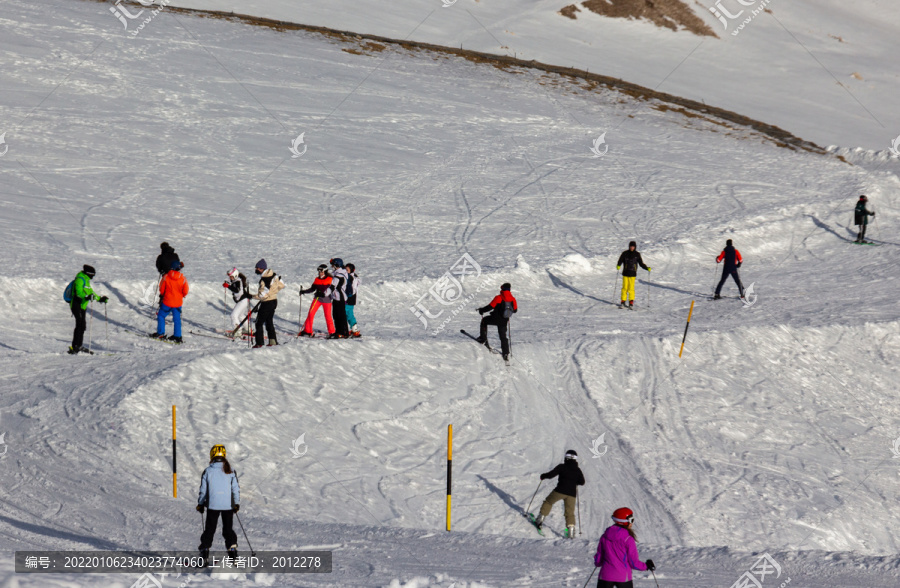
570	477
733	260
164	260
861	218
629	262
502	307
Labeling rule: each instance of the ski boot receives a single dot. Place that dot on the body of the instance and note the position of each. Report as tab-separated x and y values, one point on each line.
631	305
539	521
335	336
232	552
304	334
622	304
506	357
482	340
258	346
272	343
157	336
204	558
355	333
73	350
175	340
717	297
569	533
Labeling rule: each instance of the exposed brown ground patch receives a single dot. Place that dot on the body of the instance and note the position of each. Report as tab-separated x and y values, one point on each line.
671	14
569	11
584	79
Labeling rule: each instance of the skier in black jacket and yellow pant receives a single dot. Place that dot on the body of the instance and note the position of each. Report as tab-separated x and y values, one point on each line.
628	263
570	477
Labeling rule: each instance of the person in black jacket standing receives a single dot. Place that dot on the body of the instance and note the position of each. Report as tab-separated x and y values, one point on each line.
570	477
630	259
165	258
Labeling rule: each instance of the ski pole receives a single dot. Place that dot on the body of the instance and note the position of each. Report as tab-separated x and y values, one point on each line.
654	578
300	316
245	320
509	335
589	577
715	270
616	283
225	307
106	326
527	510
91	328
253	553
578	506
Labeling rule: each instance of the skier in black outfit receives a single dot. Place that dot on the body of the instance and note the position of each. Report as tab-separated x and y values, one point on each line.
164	260
502	307
630	259
570	477
861	218
733	261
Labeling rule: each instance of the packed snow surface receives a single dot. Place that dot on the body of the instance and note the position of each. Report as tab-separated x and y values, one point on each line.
773	433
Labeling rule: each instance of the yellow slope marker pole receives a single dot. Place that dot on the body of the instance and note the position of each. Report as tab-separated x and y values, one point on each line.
690	312
449	469
174	455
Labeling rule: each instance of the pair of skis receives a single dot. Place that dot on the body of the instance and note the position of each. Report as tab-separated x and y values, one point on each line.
486	344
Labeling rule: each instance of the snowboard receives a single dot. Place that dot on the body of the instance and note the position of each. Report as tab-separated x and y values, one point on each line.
530	518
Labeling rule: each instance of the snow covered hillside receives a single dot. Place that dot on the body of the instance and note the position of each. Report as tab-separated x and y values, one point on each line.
772	434
825	70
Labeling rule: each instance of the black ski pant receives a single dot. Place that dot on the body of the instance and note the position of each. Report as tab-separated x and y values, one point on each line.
339	316
606	584
265	317
80	315
228	534
502	324
737	280
861	236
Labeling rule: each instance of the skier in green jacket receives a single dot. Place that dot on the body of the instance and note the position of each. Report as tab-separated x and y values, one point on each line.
861	218
82	294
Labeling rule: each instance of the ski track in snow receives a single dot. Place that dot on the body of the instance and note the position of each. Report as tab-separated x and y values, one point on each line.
772	433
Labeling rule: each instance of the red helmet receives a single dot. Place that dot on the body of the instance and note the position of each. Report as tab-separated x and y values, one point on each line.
623	516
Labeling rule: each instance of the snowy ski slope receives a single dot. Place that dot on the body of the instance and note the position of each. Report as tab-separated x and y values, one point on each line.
825	70
772	434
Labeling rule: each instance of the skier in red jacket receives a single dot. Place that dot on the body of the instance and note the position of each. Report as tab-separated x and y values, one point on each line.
501	308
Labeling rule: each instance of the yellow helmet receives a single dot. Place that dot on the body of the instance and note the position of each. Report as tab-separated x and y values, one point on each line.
217	451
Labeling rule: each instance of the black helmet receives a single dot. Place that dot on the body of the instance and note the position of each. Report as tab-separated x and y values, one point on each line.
89	270
322	267
863	197
633	244
728	242
505	287
572	454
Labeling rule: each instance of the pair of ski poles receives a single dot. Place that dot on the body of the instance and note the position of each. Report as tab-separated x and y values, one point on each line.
91	326
247	539
616	283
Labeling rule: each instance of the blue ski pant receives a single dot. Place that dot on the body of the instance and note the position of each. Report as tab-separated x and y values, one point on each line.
161	315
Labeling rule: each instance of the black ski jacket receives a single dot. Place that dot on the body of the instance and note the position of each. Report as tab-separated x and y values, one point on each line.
164	260
570	476
630	260
861	214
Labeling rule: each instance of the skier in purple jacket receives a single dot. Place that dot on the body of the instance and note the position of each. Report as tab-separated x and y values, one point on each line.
617	553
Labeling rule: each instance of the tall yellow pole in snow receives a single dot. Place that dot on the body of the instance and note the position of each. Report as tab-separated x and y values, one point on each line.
449	469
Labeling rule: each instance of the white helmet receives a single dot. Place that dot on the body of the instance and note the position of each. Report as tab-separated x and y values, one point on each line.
233	273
